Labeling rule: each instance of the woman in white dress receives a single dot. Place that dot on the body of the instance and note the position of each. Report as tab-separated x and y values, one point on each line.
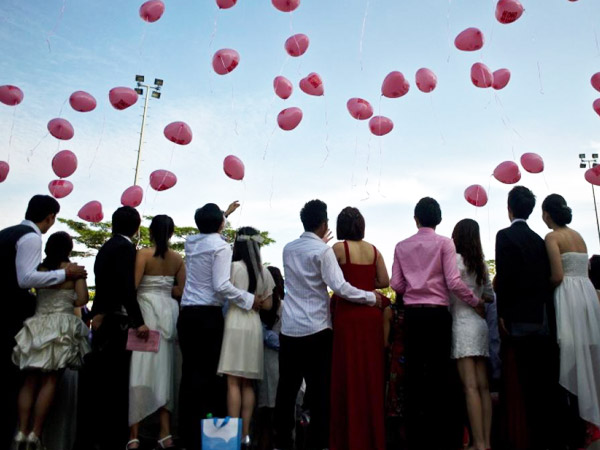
470	334
152	385
577	309
49	342
242	349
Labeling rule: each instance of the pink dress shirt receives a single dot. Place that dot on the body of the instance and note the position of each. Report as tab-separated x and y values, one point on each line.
425	271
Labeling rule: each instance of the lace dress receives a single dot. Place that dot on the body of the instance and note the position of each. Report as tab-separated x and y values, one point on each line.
578	329
470	333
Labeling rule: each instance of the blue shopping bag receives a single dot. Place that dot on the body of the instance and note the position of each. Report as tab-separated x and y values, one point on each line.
221	434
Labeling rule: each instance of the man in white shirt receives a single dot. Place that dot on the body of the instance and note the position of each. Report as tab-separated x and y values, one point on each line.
306	336
200	325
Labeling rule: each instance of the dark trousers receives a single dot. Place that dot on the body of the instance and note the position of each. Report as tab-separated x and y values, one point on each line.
202	391
308	358
433	409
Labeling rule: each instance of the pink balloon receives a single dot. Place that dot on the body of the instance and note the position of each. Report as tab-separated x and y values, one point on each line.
532	162
596	81
283	87
395	85
152	10
61	129
593	175
481	75
122	97
597	106
64	163
289	118
286	5
359	108
380	125
507	172
10	95
226	4
297	44
178	132
82	101
4	169
508	11
233	167
91	212
60	188
161	180
469	40
132	196
426	80
501	78
312	84
225	60
476	195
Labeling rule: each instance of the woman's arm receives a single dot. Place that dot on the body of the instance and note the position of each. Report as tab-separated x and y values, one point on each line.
267	303
177	291
140	266
81	290
382	279
556	268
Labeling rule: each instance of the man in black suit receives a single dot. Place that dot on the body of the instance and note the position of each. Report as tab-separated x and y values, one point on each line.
527	324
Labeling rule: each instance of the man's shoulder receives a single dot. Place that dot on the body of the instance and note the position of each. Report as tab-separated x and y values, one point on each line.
19	228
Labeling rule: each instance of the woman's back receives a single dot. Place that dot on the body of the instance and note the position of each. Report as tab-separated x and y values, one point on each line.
155	265
358	261
569	241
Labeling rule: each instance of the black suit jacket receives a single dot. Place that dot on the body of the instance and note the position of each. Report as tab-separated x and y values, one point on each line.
115	280
523	290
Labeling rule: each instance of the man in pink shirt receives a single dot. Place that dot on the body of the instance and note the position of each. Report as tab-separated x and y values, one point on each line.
425	273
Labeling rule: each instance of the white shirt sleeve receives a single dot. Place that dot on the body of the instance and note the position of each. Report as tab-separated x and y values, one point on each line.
334	277
222	283
29	256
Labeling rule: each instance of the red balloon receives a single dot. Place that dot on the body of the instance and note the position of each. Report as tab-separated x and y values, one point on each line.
481	75
312	84
61	129
122	97
426	80
60	188
359	108
596	81
178	132
161	180
297	44
469	40
380	125
225	60
289	118
286	5
476	195
507	172
283	87
226	4
82	101
395	85
532	162
597	106
132	196
501	77
91	212
508	11
64	163
152	10
4	169
593	175
233	167
10	95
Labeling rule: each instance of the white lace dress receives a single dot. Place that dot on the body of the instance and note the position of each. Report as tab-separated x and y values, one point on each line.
578	329
470	333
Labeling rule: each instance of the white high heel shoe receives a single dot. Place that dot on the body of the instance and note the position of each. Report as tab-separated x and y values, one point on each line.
19	441
33	442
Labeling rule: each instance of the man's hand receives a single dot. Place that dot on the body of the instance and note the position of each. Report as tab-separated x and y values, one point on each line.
480	309
378	300
258	302
75	271
328	236
97	321
143	332
231	208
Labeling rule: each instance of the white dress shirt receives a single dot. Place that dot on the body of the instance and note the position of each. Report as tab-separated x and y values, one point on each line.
29	256
310	266
208	272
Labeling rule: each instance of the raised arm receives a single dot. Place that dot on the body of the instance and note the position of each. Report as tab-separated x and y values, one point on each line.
556	267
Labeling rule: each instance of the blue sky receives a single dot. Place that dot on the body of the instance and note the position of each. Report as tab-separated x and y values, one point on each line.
441	143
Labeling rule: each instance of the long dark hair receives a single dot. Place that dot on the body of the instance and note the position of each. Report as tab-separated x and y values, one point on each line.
241	252
58	248
161	229
270	317
468	245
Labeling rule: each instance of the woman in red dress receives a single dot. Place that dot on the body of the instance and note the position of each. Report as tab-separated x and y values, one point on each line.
357	378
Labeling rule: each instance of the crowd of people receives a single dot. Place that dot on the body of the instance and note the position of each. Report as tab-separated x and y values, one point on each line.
177	340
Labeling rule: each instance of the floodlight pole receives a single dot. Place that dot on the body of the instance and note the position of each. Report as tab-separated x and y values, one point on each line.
589	164
139	152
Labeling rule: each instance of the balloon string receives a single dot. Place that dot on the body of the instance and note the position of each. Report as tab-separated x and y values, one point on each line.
146	199
540	78
272	184
143	41
97	146
214	31
235	122
269	142
58	20
504	117
488	210
362	35
61	108
597	44
10	136
435	118
545	182
367	170
36	146
326	132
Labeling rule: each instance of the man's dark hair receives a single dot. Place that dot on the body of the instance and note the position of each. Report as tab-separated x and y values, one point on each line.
40	207
313	215
126	221
428	212
521	202
209	218
350	225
